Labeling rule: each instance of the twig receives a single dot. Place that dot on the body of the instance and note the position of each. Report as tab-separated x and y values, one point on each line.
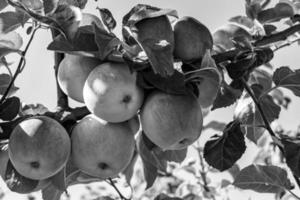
282	35
266	122
286	44
111	182
265	4
20	66
293	194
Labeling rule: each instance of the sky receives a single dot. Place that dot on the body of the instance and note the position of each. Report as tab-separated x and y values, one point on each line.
37	84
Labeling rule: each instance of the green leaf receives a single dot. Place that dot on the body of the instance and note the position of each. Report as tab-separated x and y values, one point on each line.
292	154
33	109
223	151
208	80
4	83
285	77
215	125
128	171
78	3
263	179
106	42
226	96
10	108
51	193
143	11
18	183
10	43
107	18
252	8
59	180
9	21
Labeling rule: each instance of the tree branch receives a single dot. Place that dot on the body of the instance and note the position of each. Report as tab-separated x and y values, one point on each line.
277	36
20	66
111	182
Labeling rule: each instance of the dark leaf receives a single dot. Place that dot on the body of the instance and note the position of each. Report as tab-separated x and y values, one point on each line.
149	161
269	107
59	180
263	179
208	80
285	77
18	183
173	84
106	42
51	193
226	96
269	29
252	9
142	11
10	108
170	155
234	170
3	4
292	154
225	183
50	6
215	125
107	18
4	82
222	152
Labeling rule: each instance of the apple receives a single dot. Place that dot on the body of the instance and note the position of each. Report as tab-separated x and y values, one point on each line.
192	39
111	93
100	148
72	74
171	122
39	147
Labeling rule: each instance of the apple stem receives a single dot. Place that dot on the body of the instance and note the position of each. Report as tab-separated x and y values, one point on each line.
266	122
62	98
111	182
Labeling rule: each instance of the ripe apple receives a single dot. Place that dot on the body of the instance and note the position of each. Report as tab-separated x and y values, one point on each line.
111	93
100	148
39	147
171	121
192	39
72	74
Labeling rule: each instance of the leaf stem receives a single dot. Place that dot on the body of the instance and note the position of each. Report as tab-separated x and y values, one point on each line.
20	65
111	182
266	122
293	194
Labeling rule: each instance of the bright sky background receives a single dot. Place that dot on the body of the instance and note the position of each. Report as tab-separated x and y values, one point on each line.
37	80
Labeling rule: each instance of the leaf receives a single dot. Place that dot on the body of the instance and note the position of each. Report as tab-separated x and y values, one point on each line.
149	161
226	96
166	197
143	11
50	6
173	84
9	21
59	180
10	43
10	108
252	8
263	179
285	77
4	83
262	76
107	18
128	171
51	193
292	154
106	42
171	155
222	152
18	183
208	80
